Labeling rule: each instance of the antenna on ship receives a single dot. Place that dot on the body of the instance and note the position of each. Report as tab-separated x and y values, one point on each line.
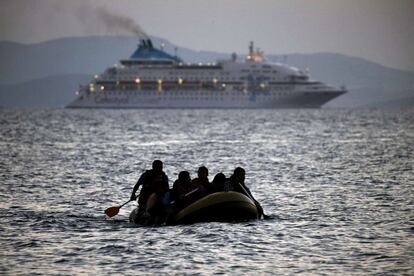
233	57
251	51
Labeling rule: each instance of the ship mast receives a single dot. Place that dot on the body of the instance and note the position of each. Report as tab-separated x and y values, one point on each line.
251	49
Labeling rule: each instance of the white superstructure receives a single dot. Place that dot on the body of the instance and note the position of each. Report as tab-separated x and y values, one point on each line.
151	78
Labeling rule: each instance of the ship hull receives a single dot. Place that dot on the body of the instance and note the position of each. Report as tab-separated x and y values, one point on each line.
198	100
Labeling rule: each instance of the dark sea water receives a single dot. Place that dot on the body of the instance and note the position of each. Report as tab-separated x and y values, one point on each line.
338	185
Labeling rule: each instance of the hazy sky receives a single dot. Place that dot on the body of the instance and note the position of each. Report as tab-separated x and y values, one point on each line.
379	30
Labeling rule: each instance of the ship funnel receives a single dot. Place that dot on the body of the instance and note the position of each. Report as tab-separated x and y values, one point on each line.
149	43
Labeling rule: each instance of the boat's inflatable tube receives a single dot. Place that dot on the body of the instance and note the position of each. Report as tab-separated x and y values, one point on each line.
133	215
221	206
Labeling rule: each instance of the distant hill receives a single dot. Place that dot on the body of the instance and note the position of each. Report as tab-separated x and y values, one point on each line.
67	56
398	103
355	72
369	97
76	55
54	91
31	74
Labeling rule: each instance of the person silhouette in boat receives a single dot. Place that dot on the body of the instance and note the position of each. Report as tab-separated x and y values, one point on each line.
181	196
217	185
183	189
201	182
154	184
236	183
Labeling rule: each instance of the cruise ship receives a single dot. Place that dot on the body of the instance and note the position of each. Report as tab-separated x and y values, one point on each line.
152	78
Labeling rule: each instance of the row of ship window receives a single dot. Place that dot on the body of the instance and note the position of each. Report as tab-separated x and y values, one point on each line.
184	88
211	73
186	73
243	78
191	86
203	74
189	95
222	98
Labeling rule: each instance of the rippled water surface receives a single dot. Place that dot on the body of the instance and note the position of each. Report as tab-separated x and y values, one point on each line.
338	185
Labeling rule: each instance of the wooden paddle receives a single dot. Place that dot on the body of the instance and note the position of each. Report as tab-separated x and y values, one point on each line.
113	211
187	194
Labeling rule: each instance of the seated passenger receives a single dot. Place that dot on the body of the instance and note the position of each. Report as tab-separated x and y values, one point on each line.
202	182
218	183
236	183
182	187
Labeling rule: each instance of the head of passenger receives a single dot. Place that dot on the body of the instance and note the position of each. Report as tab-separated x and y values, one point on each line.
220	178
240	174
218	182
184	177
202	172
157	165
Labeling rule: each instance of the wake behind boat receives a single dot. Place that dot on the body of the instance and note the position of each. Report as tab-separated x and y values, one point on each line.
219	206
152	78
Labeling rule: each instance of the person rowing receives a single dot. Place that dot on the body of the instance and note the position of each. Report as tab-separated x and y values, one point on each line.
154	184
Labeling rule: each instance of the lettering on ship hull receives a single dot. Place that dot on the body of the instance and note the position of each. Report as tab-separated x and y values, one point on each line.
106	100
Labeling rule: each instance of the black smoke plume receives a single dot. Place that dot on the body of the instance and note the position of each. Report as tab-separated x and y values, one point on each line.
100	19
118	22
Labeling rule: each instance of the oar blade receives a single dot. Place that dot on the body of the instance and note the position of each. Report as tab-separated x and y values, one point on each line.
112	211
